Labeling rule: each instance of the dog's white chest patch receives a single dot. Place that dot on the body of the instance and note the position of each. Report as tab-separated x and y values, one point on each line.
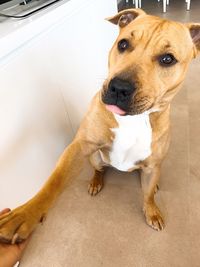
132	141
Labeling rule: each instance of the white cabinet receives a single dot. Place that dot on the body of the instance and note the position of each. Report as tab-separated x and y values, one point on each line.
46	84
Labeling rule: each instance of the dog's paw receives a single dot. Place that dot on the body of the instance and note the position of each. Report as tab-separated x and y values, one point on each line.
17	225
154	217
94	187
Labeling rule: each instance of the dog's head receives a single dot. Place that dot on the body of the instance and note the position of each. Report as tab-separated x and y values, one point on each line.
147	62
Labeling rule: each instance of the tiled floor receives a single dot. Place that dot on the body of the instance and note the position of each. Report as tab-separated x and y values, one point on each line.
109	230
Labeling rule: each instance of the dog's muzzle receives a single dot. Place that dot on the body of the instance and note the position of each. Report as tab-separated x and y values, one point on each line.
119	95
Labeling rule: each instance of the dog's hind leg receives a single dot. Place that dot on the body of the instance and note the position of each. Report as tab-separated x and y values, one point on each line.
96	182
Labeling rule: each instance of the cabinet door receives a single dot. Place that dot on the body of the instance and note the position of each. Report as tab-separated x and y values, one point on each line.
34	124
46	86
82	54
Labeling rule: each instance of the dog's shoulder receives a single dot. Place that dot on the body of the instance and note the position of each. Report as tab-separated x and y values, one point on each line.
96	125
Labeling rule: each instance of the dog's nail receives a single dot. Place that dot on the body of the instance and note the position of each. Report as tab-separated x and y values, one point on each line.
98	187
14	239
43	218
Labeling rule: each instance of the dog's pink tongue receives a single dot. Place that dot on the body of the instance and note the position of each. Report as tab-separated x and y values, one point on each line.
115	109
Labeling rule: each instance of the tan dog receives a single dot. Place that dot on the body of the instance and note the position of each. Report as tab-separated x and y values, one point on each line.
127	125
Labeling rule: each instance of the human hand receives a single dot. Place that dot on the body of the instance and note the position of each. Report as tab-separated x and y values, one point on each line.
11	254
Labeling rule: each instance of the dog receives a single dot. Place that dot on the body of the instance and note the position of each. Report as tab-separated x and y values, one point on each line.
127	125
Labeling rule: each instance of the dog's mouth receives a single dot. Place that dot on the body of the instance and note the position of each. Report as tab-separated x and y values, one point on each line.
114	106
134	110
126	106
115	109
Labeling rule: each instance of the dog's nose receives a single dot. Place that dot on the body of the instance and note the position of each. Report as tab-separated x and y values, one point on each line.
121	89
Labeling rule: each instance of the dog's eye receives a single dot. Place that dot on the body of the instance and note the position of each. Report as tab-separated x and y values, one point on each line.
123	45
167	60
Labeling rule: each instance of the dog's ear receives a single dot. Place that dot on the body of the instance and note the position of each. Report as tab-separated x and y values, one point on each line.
124	17
194	29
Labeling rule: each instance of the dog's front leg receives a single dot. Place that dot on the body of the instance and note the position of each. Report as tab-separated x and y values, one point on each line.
149	181
15	226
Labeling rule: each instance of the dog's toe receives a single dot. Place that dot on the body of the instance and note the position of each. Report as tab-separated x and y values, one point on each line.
94	189
154	218
156	222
